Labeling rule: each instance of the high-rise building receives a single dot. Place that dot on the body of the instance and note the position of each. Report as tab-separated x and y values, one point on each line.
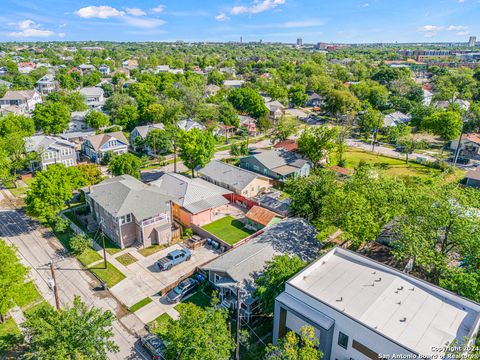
299	42
472	41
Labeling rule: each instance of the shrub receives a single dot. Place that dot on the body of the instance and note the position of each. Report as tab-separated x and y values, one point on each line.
80	243
60	225
188	232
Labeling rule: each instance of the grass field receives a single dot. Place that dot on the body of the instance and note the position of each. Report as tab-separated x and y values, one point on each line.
111	275
228	229
87	257
27	294
126	259
393	167
140	304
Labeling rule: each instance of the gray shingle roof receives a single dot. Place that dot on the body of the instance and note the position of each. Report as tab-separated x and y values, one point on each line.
243	264
145	129
124	195
40	143
277	158
395	119
233	176
195	195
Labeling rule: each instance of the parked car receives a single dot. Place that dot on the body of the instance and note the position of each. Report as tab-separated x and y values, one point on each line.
154	346
186	287
174	258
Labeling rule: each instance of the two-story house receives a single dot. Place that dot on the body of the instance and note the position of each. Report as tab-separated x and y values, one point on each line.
51	150
94	96
96	146
47	84
24	99
141	133
104	69
129	211
237	269
278	164
469	146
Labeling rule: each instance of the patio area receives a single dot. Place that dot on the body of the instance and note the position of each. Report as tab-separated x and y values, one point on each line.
228	210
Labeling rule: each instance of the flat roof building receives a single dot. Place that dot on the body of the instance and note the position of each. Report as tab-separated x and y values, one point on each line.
362	309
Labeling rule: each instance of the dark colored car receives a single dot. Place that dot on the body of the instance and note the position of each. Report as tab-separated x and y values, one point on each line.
154	346
182	289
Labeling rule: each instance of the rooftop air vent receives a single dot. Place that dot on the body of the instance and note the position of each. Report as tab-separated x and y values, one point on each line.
403	319
338	300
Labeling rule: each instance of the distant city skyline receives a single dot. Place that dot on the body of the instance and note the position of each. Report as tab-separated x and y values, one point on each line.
347	21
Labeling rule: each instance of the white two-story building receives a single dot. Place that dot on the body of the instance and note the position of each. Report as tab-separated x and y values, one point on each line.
361	309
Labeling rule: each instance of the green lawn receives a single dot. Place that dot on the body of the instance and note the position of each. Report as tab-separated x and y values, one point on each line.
111	275
126	259
9	336
140	304
160	324
392	166
32	310
151	250
27	294
228	229
199	298
87	257
110	246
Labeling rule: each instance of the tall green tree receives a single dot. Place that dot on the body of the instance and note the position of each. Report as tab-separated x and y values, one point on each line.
97	119
196	148
12	276
297	95
285	127
125	164
78	332
446	124
49	192
199	334
159	141
16	123
316	143
294	347
52	118
249	101
271	282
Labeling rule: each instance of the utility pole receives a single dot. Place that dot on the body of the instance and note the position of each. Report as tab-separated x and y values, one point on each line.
237	350
103	244
457	150
55	287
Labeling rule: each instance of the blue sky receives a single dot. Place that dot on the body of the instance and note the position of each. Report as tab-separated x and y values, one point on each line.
270	20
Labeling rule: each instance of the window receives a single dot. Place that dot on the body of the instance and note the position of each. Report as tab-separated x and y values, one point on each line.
364	350
125	219
343	340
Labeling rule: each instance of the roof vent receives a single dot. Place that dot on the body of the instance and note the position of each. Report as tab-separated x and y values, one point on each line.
396	291
378	280
399	303
412	289
338	300
403	319
400	288
373	273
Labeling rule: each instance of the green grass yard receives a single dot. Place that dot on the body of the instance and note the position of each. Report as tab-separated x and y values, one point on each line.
88	257
228	229
111	275
27	294
392	166
199	298
140	304
126	259
151	250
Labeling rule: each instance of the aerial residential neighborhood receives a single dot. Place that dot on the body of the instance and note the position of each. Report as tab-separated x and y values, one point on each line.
254	179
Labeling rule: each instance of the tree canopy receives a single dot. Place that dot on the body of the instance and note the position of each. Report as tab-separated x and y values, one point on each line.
196	148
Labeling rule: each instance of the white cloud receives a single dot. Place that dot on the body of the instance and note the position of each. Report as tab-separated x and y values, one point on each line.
430	28
135	12
463	33
256	7
433	29
221	17
28	28
146	23
456	27
366	5
158	9
430	34
101	12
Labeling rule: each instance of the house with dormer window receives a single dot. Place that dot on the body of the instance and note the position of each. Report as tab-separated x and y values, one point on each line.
95	146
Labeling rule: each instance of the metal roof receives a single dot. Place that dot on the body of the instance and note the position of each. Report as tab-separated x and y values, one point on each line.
409	311
195	195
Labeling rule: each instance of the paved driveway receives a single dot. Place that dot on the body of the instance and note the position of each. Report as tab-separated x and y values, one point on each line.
144	278
37	248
